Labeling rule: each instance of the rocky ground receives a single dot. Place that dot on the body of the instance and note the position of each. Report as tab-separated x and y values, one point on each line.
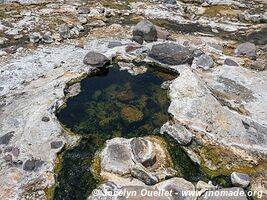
218	101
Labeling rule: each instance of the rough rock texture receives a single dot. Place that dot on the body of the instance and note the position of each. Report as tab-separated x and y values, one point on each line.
33	87
205	62
117	157
121	158
192	104
144	175
144	31
178	132
143	151
171	53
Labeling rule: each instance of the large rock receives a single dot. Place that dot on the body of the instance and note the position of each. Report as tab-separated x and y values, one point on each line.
193	104
246	49
95	59
178	132
144	31
225	194
240	179
117	157
170	53
178	186
143	151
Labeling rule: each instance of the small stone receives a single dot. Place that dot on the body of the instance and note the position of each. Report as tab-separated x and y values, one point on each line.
35	37
47	38
15	151
83	10
56	144
1	151
45	119
246	49
16	37
144	31
8	158
5	139
198	52
32	164
205	62
132	47
230	62
82	19
64	31
95	59
240	179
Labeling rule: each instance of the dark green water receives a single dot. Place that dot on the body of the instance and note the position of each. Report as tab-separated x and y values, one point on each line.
114	104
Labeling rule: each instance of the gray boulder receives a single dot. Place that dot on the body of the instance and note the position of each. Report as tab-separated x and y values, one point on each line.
240	179
246	49
205	62
95	59
170	53
144	31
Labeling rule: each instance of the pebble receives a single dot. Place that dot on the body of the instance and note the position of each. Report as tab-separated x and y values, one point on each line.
56	144
8	158
35	37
